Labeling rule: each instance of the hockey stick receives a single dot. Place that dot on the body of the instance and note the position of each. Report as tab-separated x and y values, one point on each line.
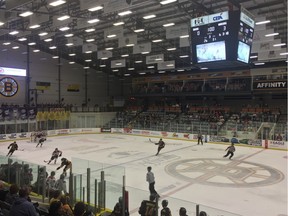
21	149
152	141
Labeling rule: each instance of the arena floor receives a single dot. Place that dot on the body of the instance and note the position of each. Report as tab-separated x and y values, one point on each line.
253	183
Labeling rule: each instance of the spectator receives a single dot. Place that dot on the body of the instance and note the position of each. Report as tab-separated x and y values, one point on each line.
165	211
3	191
182	211
148	208
12	195
117	211
56	196
66	207
56	209
21	206
79	209
202	213
61	184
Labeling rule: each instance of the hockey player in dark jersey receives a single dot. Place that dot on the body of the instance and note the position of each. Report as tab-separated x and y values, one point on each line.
231	150
55	154
41	141
161	145
66	163
13	147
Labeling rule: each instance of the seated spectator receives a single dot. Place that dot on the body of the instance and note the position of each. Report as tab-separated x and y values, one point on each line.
22	206
56	209
3	191
12	195
56	196
79	209
66	207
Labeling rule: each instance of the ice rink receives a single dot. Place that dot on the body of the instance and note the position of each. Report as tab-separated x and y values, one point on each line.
253	183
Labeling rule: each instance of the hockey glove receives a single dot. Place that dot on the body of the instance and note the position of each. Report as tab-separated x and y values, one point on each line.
58	168
60	155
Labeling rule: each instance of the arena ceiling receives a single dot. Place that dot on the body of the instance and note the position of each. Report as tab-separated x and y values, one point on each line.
90	25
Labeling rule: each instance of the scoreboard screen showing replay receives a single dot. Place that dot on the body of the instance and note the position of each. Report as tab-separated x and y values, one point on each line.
221	37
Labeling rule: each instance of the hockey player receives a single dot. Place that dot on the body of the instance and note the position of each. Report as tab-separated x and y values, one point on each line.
55	154
13	147
41	141
161	145
66	163
200	138
231	150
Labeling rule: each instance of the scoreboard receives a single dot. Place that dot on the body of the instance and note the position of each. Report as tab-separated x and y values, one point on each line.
221	37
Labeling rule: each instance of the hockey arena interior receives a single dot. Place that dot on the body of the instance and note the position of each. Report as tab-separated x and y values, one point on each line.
143	107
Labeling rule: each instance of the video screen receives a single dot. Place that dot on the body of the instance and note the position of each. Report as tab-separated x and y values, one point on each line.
243	53
209	52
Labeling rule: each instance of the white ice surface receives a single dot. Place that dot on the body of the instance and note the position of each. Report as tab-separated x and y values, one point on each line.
243	185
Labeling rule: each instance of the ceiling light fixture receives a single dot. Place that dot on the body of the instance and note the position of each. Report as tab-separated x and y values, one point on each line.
34	26
64	28
48	39
2	23
102	66
90	30
253	56
86	67
57	3
90	40
184	56
52	47
63	17
22	39
118	23
145	52
281	44
150	67
272	34
111	36
149	16
88	51
88	60
171	49
14	33
109	48
93	21
115	70
32	44
71	62
55	57
43	34
35	51
130	45
69	44
69	35
104	58
25	14
95	8
139	30
6	43
72	54
125	55
259	63
139	61
284	53
124	13
161	72
262	22
15	47
184	36
130	69
168	24
157	40
167	2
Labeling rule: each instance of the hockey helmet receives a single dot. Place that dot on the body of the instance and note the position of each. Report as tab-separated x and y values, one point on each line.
56	149
63	159
165	203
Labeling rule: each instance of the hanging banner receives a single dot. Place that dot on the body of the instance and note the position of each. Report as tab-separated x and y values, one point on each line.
76	41
89	47
154	59
140	48
104	54
275	85
259	36
128	40
184	42
166	65
265	46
